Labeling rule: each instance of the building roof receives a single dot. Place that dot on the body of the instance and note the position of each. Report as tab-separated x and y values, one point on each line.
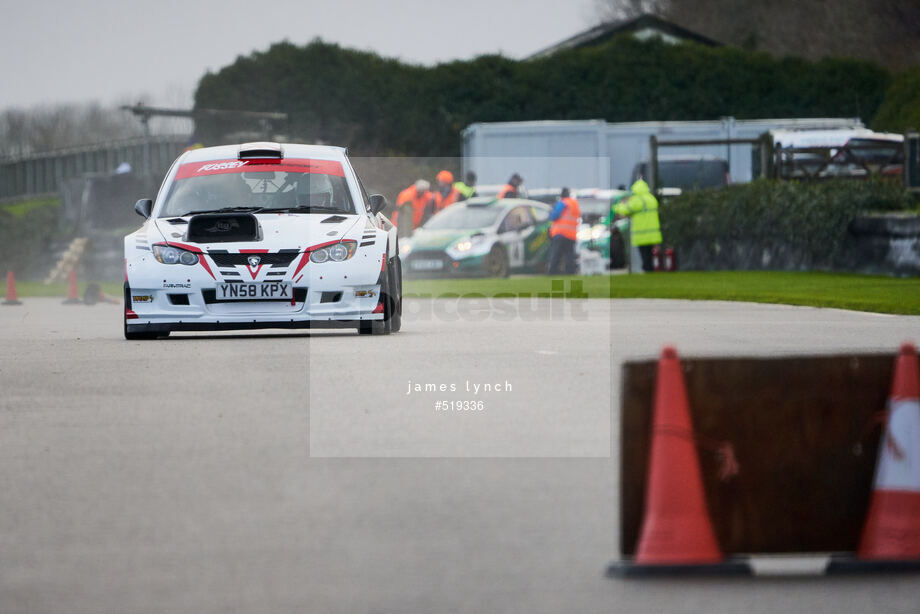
644	26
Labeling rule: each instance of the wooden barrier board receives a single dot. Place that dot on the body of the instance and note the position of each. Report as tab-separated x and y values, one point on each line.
805	434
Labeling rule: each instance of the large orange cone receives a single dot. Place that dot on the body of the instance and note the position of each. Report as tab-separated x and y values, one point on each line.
12	298
677	536
73	294
676	528
892	528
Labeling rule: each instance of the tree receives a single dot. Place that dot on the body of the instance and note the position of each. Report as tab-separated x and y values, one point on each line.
885	31
377	106
900	110
46	128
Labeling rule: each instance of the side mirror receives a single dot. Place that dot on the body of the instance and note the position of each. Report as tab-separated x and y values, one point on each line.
378	203
143	207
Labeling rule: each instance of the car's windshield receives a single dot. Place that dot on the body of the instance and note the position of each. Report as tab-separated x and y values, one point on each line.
593	206
296	186
687	174
872	150
462	217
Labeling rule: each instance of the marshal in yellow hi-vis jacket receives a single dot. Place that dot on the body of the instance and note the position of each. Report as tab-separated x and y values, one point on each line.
644	225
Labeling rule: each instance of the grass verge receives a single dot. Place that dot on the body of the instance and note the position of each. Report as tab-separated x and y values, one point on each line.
19	209
31	289
858	292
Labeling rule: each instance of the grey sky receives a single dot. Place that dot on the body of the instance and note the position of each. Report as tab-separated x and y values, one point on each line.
74	51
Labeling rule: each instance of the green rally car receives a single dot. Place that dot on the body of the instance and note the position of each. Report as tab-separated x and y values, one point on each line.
480	237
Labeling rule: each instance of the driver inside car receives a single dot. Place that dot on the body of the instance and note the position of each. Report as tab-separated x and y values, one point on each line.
314	190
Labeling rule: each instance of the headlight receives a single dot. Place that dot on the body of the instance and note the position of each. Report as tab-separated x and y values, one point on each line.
188	258
338	252
405	249
168	254
467	246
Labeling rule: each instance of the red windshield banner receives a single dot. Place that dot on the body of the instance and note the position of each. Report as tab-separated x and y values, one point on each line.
289	165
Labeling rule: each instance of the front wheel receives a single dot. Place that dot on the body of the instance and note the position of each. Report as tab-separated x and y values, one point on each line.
497	262
374	327
384	326
396	289
617	248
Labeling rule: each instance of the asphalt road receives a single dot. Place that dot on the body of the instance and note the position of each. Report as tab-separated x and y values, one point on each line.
292	473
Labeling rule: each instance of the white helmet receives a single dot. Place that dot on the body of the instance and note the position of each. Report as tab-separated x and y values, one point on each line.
314	189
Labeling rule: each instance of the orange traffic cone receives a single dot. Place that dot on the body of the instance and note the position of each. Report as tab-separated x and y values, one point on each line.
677	534
892	529
73	294
891	534
12	298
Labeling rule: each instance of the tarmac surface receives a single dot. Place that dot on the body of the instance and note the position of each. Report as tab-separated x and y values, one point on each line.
293	472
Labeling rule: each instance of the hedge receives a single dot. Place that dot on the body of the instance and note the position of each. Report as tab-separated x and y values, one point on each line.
27	230
771	224
379	106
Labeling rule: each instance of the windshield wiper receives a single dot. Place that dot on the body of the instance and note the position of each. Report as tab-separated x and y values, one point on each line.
309	209
239	209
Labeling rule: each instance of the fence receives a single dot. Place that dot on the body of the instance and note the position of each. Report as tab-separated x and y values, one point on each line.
861	157
46	173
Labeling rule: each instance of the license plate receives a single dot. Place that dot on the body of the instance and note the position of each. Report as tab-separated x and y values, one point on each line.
427	265
272	291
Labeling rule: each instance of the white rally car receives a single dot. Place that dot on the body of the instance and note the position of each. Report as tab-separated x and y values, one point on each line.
262	235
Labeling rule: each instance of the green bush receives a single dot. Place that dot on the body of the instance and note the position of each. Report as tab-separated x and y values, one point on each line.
379	106
770	224
900	110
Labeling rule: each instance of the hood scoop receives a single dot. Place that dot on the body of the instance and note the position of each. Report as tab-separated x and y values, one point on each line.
335	219
223	228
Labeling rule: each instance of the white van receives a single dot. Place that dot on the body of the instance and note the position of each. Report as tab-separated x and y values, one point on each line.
852	152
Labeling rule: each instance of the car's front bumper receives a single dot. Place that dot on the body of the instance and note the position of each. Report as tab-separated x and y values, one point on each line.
167	327
601	245
471	266
157	311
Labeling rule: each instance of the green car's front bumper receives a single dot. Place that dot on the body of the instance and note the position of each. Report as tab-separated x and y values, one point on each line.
436	263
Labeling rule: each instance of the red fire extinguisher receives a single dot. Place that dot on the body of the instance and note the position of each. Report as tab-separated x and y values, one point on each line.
656	258
670	260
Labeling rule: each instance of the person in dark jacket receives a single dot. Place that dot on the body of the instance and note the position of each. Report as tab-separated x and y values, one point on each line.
512	188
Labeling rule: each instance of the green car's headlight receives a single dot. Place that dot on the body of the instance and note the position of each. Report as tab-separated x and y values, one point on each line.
467	246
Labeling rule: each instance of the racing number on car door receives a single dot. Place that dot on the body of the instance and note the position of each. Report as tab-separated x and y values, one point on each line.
516	249
514	230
